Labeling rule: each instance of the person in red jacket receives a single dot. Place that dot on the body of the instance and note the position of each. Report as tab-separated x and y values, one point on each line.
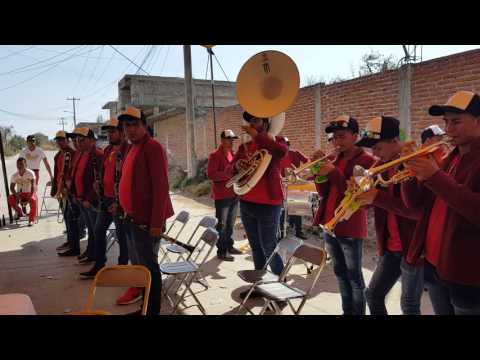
109	209
345	248
144	198
86	170
395	225
293	159
226	201
448	238
260	207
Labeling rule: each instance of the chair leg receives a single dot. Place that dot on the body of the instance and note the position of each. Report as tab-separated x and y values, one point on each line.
177	302
200	306
264	308
242	304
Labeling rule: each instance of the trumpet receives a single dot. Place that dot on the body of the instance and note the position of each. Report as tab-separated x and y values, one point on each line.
364	180
294	175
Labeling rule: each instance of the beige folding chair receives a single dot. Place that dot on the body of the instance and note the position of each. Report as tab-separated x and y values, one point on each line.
182	218
118	276
184	272
280	291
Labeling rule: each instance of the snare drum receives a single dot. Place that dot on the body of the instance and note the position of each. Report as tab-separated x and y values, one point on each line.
302	200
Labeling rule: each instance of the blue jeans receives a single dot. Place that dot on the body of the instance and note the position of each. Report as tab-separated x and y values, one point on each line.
104	219
145	253
90	217
295	221
449	298
346	256
226	211
261	225
72	215
390	268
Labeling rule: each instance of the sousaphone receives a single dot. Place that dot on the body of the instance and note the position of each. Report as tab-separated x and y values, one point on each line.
267	85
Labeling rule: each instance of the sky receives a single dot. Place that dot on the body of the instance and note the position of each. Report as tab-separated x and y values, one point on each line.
36	80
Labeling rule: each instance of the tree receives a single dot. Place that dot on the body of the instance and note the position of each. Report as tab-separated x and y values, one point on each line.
41	139
313	80
374	62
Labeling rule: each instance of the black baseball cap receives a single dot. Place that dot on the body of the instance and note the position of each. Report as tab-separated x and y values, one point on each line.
433	130
248	117
228	134
379	128
460	102
341	123
31	138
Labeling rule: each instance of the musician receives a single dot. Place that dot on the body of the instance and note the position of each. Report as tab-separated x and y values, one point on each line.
22	187
450	194
60	174
84	176
345	248
395	225
144	197
293	159
34	155
434	134
109	209
226	201
260	207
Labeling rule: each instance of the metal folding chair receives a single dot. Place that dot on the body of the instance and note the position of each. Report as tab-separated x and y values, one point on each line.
182	218
184	272
118	276
279	291
285	248
111	236
44	207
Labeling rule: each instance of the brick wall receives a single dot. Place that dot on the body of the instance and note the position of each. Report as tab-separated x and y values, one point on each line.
431	82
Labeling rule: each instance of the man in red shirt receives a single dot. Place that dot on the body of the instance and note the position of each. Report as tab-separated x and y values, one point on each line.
22	187
293	160
345	248
61	175
450	194
109	209
144	198
226	201
260	207
394	224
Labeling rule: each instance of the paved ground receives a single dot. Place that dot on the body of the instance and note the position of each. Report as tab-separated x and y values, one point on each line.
29	264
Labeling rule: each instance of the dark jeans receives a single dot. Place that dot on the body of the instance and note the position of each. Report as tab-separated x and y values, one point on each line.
392	266
261	225
346	254
145	252
226	211
90	217
72	215
103	222
451	299
295	221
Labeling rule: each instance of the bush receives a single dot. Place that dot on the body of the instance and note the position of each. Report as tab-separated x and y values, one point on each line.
200	189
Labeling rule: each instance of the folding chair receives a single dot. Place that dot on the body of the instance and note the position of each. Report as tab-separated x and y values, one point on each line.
111	236
185	271
285	248
279	291
44	207
182	218
118	276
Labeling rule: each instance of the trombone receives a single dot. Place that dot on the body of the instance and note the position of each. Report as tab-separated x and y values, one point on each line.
294	175
365	179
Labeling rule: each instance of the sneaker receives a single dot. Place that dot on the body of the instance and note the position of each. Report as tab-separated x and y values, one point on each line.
225	257
85	261
234	251
64	246
30	223
84	255
132	295
254	294
90	274
69	252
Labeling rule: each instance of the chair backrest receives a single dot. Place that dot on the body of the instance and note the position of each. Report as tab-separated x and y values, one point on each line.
206	222
121	276
315	256
285	248
182	218
204	246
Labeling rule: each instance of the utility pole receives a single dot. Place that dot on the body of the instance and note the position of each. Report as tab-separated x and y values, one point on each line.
74	117
210	51
4	168
62	122
189	112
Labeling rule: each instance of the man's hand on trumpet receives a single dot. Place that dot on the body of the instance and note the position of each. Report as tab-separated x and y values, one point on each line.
367	198
423	167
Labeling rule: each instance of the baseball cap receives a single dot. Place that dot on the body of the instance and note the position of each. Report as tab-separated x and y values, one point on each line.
341	123
460	102
329	137
130	113
433	130
228	134
379	128
85	132
112	123
60	135
31	138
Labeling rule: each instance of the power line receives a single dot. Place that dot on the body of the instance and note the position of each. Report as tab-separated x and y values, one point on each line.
16	52
126	57
55	51
218	62
149	53
165	60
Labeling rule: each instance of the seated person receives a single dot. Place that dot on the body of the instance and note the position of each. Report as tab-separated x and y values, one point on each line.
24	181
